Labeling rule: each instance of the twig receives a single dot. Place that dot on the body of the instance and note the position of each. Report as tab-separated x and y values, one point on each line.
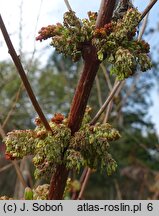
106	76
23	76
21	28
128	93
119	195
5	167
110	105
98	91
148	8
143	27
35	29
108	110
82	178
68	5
84	184
110	97
19	174
16	97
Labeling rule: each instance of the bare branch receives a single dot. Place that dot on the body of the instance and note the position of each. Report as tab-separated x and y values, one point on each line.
68	5
16	97
98	91
22	74
5	167
108	110
84	183
143	27
110	97
148	8
106	76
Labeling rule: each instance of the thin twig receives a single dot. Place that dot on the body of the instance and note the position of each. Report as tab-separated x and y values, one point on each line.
143	27
148	8
128	93
106	76
110	97
98	91
110	105
19	174
23	76
5	167
16	97
35	29
68	5
119	195
21	28
84	184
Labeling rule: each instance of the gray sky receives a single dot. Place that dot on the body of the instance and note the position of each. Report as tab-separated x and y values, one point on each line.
49	12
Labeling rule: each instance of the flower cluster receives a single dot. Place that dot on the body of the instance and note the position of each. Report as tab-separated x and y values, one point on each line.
39	193
87	147
68	38
19	143
49	146
115	41
123	52
92	143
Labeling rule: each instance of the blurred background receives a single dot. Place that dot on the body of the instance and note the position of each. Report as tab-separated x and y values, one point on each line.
135	111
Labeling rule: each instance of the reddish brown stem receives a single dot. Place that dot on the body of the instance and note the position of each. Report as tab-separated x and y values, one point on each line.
91	65
105	12
84	86
60	175
22	74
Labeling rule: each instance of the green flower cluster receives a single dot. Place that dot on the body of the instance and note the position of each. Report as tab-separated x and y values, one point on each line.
123	52
19	143
69	37
114	42
39	193
87	147
92	144
49	147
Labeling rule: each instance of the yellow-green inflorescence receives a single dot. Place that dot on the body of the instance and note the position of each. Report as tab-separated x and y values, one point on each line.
39	193
87	147
115	42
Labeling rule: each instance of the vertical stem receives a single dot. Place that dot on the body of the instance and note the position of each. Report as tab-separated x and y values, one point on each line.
82	91
91	65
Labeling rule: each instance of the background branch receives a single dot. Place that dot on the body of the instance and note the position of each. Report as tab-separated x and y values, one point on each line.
22	74
68	5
